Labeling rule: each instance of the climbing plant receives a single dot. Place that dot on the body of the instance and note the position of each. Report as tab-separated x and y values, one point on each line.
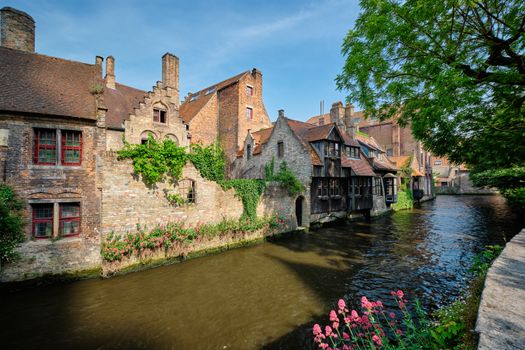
249	191
156	161
11	224
284	176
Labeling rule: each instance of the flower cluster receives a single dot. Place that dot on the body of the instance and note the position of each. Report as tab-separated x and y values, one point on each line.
373	328
178	233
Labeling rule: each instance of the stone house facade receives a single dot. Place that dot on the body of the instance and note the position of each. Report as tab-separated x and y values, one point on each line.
326	160
61	123
226	112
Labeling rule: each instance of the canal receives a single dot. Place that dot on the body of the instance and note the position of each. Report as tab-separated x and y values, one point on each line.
265	296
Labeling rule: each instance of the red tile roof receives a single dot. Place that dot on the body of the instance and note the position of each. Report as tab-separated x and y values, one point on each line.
189	109
120	103
402	161
361	167
35	83
260	138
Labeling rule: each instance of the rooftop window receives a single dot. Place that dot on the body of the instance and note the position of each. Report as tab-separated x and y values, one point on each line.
209	91
194	97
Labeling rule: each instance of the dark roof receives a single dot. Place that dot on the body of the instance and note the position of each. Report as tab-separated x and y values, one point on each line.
361	167
189	109
35	83
300	130
120	103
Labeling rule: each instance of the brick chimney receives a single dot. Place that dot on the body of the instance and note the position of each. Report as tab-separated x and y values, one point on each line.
337	112
170	75
110	72
17	30
349	120
280	113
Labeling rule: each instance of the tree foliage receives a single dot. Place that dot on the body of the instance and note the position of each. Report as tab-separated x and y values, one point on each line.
11	224
453	69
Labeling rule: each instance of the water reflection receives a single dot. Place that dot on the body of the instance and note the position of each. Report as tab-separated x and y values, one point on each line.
263	296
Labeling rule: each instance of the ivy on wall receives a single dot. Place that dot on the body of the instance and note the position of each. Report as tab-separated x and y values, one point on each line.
284	176
11	224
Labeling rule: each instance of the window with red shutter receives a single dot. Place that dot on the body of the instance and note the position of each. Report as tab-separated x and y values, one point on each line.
45	147
71	147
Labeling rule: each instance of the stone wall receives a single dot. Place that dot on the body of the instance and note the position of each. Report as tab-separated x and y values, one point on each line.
127	201
17	30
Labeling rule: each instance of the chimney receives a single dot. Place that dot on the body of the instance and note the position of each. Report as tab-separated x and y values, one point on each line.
337	112
110	72
17	30
98	64
281	113
349	120
170	75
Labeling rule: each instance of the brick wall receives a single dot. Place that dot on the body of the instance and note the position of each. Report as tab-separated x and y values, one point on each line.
17	30
204	127
228	120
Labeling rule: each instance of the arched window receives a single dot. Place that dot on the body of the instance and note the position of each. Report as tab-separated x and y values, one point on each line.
144	136
248	151
172	138
160	113
187	190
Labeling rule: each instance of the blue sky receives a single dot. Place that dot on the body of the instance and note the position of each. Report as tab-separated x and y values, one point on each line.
296	44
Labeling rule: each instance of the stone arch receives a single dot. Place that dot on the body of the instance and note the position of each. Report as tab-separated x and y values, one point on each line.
172	137
300	211
144	136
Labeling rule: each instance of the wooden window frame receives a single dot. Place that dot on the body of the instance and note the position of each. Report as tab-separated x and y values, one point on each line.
38	145
35	220
249	90
188	190
160	114
65	147
70	219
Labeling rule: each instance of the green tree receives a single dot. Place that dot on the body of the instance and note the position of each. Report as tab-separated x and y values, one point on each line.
11	225
454	70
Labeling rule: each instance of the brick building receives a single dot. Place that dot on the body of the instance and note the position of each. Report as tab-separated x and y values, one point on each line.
226	112
61	123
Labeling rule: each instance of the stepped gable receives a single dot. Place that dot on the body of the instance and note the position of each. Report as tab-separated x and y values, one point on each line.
402	161
35	83
121	103
189	109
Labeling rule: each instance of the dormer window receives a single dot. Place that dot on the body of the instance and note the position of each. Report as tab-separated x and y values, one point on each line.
194	97
249	113
321	121
159	116
249	90
209	91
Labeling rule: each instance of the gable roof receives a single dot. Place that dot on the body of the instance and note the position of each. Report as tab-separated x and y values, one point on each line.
361	167
189	109
260	138
121	102
35	83
401	161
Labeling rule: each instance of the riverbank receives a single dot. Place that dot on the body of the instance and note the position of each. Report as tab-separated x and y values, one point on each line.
501	315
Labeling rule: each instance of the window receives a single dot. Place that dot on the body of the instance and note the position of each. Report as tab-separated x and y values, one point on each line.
144	136
248	151
334	187
69	219
210	90
321	121
42	220
45	146
194	97
437	162
378	186
187	190
280	149
159	115
249	113
249	90
71	147
389	152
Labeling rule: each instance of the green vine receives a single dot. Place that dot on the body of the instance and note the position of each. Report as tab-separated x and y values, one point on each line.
159	161
284	176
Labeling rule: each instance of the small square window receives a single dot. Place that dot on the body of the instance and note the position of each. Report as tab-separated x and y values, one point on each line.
249	90
69	219
437	162
42	220
187	190
280	149
159	115
321	121
249	113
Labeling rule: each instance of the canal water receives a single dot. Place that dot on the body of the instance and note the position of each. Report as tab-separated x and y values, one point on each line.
265	296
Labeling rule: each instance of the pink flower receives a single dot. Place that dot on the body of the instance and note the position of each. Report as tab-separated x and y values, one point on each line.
401	305
333	316
354	315
400	294
335	324
365	303
341	304
328	331
379	303
317	329
392	315
377	340
346	336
